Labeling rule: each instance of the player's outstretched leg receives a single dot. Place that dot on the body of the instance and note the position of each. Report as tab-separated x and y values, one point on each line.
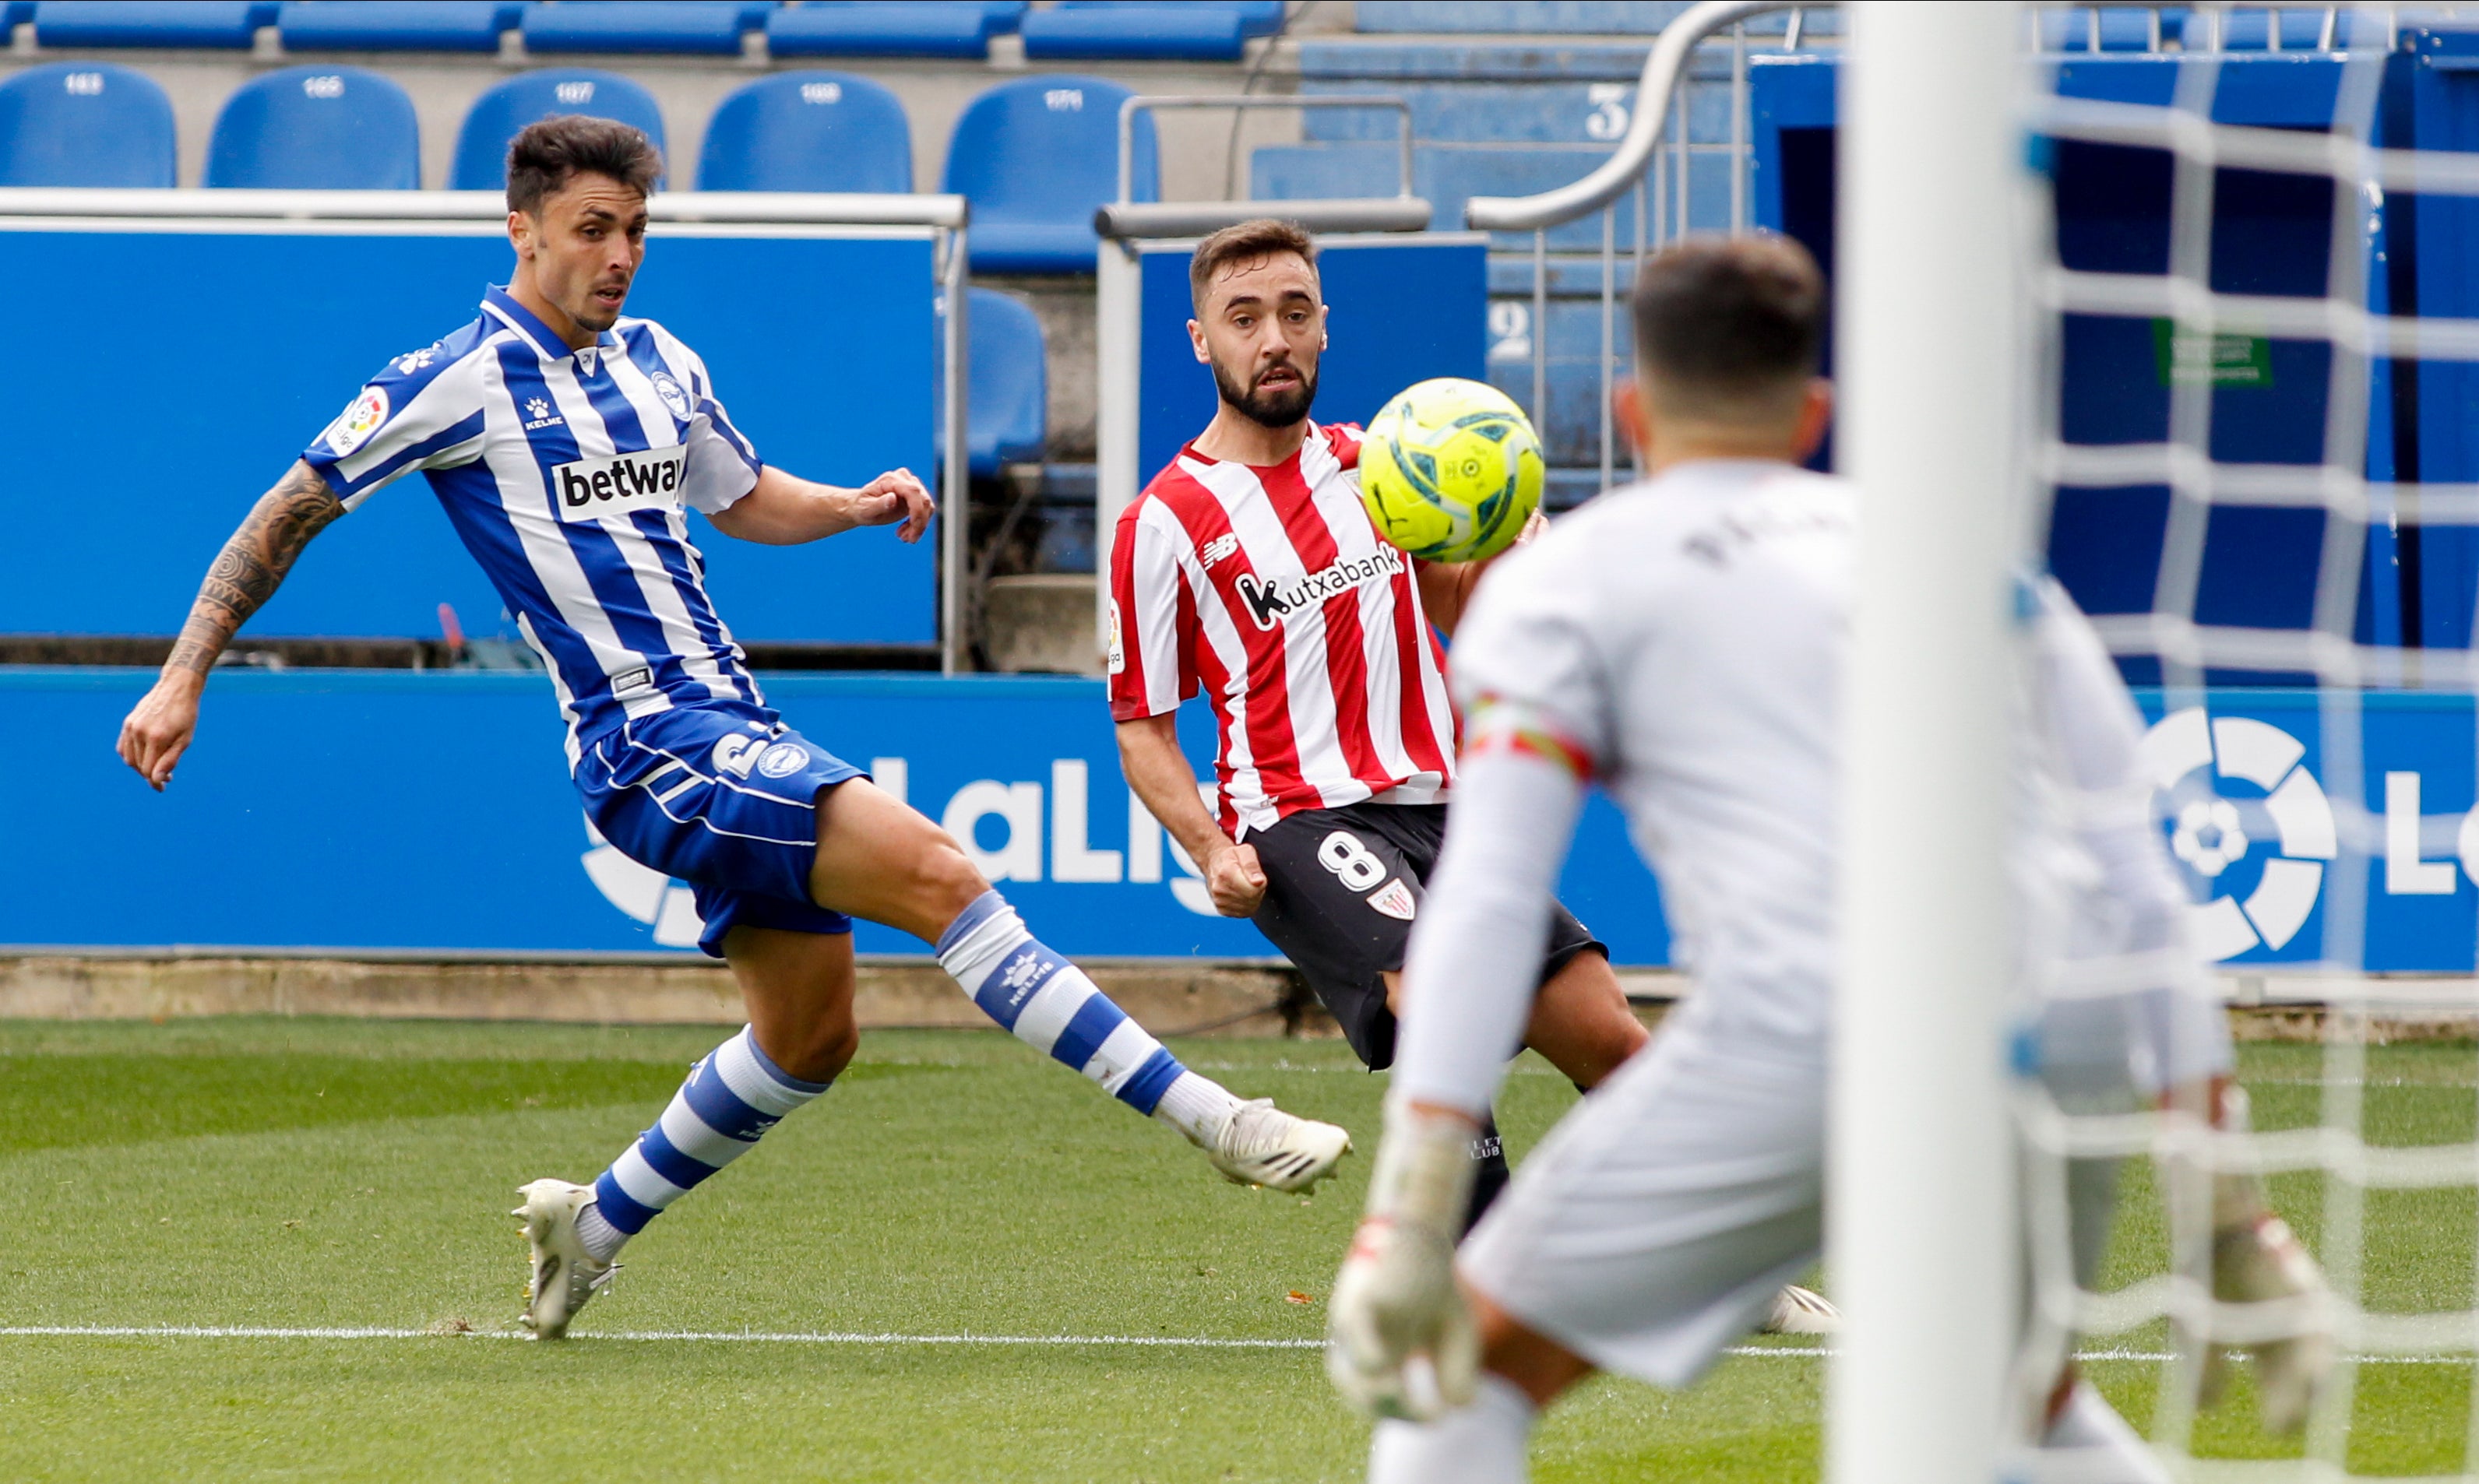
1053	1006
879	859
731	1098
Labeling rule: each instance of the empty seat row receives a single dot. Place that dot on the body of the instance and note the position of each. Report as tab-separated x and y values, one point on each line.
1191	29
1035	155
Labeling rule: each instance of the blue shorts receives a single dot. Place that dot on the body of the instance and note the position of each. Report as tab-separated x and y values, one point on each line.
726	801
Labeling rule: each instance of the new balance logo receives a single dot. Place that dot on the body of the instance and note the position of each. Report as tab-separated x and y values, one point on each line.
591	488
1217	550
1271	599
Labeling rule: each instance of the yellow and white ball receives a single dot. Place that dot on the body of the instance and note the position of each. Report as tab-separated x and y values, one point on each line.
1450	470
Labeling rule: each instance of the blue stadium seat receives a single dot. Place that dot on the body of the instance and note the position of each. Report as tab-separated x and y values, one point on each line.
396	25
679	27
1007	386
17	12
316	129
1037	158
922	28
1257	18
218	23
85	123
1182	32
807	131
482	145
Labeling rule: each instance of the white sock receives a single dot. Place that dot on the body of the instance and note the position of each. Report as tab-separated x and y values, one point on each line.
601	1239
1197	1106
2091	1443
1481	1443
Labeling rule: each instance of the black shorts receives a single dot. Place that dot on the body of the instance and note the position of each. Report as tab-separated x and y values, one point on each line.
1341	886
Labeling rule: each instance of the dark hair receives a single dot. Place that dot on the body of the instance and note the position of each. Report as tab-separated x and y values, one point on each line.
1729	328
1245	242
549	153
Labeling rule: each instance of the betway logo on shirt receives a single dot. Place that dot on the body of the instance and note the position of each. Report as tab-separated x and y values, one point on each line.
1270	600
591	488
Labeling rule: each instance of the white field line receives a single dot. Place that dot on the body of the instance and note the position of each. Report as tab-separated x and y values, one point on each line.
829	1337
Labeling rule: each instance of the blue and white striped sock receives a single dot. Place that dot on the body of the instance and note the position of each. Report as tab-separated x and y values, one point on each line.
1051	1006
730	1099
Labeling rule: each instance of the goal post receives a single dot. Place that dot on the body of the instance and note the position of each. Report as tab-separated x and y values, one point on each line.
1932	366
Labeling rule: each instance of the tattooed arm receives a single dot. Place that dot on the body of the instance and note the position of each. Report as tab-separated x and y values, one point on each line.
245	576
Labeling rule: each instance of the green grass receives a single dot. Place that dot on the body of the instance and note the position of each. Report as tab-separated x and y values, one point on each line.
317	1175
325	1175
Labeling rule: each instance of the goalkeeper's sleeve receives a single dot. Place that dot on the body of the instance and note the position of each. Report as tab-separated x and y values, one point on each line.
1476	955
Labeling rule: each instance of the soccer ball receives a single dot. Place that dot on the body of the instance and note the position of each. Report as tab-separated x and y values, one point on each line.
1450	470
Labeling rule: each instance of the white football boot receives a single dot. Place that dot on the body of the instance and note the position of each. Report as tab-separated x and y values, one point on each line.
1263	1146
1800	1311
564	1274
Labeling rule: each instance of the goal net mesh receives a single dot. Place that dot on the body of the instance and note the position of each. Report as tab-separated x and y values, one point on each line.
2222	398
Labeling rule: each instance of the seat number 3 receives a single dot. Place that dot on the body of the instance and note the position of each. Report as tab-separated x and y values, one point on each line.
1348	859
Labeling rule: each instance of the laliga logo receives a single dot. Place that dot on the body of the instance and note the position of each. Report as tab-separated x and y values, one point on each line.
642	892
2186	755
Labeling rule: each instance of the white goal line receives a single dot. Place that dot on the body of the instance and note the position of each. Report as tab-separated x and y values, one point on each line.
831	1337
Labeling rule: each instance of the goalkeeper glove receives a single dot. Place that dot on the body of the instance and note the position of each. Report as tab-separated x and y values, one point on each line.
1400	1341
2257	1259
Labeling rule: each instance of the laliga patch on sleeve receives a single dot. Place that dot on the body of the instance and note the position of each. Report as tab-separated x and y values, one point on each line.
354	425
1394	899
1118	659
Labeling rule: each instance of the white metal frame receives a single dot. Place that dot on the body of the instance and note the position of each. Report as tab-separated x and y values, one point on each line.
1922	1230
481	212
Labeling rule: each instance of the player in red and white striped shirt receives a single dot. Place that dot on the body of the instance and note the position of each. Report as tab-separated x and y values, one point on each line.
1248	569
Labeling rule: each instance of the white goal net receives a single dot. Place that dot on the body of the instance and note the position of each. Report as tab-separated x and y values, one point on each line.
2241	453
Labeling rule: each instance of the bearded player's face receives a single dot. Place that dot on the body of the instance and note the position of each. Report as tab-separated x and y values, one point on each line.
1262	329
585	246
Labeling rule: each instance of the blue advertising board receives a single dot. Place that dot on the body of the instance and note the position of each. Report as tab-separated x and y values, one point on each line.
2265	820
392	810
183	371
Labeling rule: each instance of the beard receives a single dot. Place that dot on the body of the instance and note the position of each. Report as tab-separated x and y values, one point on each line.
1279	408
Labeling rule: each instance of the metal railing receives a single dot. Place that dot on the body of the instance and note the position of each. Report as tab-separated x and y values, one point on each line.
1652	173
1126	217
1657	183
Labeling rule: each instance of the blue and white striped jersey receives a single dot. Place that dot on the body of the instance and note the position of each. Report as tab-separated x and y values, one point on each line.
569	475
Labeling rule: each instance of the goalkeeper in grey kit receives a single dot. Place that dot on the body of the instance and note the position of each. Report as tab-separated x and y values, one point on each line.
1680	641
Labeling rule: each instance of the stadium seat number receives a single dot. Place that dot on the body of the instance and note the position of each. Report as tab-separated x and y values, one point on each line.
1064	100
323	86
86	85
1609	118
822	93
576	92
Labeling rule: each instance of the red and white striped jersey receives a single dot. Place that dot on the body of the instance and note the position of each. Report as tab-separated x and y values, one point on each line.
1270	590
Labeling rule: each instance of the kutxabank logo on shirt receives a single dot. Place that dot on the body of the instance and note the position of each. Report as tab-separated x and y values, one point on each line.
1271	599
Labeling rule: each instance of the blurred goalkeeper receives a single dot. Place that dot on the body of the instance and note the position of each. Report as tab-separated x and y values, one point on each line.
1680	642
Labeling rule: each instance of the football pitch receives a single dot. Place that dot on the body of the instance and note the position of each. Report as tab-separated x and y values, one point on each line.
277	1249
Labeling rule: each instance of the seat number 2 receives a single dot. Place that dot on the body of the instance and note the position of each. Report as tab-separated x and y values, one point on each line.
1343	854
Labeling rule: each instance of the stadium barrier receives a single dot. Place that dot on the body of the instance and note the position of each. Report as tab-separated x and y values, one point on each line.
361	811
217	330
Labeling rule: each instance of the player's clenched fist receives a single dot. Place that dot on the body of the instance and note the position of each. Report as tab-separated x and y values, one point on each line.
1400	1341
157	729
1236	880
895	495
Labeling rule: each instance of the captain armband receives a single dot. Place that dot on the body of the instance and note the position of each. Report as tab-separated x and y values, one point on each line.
1497	725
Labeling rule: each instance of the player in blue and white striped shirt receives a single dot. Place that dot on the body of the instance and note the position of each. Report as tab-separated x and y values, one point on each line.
567	445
